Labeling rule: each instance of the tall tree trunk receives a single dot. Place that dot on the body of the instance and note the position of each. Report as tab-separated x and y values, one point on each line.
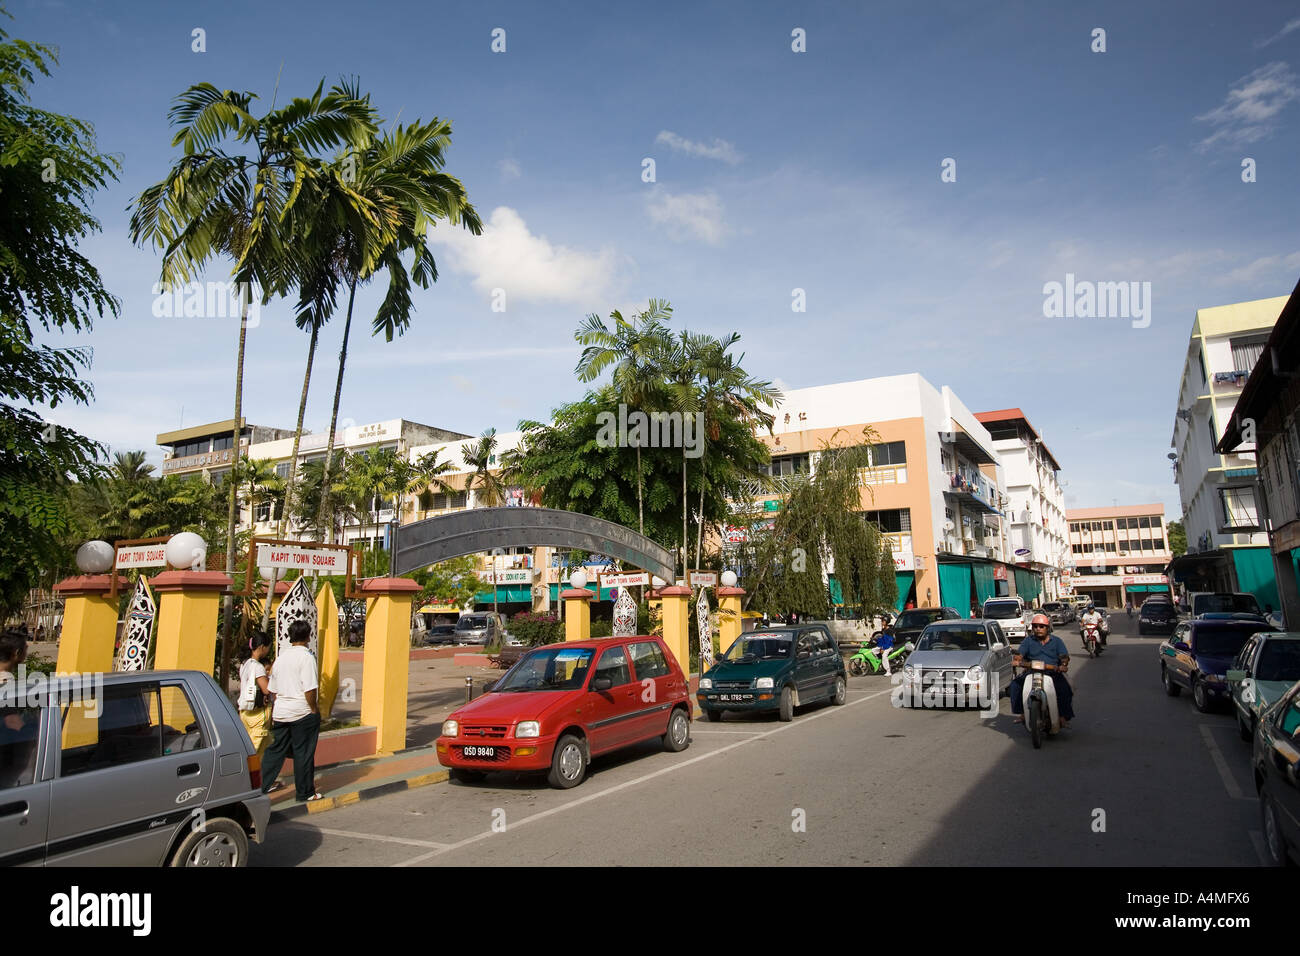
325	497
684	510
228	603
293	469
640	508
699	524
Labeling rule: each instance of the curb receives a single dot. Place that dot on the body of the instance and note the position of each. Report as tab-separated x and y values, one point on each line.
326	804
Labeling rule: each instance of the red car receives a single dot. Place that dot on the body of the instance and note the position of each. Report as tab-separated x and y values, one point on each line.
563	704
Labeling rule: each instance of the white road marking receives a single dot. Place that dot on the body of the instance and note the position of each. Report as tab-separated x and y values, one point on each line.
617	788
1221	765
1257	841
695	731
382	838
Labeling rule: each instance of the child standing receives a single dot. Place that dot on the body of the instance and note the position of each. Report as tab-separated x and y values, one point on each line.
254	705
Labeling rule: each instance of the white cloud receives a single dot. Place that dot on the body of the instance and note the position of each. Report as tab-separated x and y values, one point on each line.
719	149
528	267
1245	115
509	169
1291	26
1262	268
688	215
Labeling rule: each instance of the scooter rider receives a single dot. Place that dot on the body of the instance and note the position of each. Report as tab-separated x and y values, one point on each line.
1092	617
1043	645
885	644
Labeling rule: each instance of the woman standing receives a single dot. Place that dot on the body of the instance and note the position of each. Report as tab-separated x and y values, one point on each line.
254	702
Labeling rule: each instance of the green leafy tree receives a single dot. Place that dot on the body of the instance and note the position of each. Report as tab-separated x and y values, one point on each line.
819	527
1177	539
568	464
635	349
49	172
382	197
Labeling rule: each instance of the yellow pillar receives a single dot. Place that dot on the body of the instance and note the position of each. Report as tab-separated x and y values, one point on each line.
188	604
730	622
577	614
386	663
327	648
89	625
677	634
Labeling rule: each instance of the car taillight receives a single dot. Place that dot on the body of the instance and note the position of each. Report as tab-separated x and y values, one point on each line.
255	771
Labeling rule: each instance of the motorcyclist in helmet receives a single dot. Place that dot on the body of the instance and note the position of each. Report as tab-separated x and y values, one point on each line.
1043	645
1092	617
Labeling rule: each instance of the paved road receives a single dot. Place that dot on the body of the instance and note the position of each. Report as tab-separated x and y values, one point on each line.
871	784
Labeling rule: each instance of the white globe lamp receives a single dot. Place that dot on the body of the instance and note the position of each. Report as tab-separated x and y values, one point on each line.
729	579
95	557
657	582
187	552
578	579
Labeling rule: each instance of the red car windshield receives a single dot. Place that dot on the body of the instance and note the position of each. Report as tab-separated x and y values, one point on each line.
548	668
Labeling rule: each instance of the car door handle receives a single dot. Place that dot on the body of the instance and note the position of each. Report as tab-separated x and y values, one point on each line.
187	770
18	808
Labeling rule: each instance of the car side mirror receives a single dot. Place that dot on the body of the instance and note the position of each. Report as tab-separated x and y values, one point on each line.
602	683
1236	675
488	688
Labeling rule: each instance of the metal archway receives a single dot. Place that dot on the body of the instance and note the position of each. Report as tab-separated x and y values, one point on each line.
421	543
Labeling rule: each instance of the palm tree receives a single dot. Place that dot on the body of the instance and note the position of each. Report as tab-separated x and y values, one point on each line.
305	503
727	390
241	205
635	350
425	474
681	362
387	193
484	484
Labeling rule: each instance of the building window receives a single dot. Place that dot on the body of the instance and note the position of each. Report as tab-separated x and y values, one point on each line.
282	470
893	521
786	465
1214	438
1246	352
889	453
222	443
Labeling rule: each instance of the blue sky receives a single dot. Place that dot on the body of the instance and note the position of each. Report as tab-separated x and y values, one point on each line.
775	170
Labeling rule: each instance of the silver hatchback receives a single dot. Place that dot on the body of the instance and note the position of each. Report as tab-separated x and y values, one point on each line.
142	769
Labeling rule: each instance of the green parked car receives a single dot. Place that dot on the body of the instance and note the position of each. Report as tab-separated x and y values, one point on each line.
779	669
1264	670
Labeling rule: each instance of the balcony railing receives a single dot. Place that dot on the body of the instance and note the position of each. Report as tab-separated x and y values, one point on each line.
973	484
883	475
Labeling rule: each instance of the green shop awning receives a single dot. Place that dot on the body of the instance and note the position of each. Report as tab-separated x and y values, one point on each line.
1028	584
954	587
837	592
506	594
1255	574
904	581
604	595
985	586
1143	588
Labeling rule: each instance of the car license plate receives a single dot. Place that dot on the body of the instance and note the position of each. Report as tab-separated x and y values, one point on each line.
488	752
735	697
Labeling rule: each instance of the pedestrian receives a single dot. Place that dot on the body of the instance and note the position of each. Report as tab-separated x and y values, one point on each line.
295	715
885	644
254	692
13	651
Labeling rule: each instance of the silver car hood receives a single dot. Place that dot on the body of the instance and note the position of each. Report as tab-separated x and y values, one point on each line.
952	659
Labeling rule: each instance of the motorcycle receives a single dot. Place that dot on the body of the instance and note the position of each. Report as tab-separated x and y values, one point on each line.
868	659
1038	695
1091	634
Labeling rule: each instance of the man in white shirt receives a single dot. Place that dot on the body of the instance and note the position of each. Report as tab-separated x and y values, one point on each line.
295	716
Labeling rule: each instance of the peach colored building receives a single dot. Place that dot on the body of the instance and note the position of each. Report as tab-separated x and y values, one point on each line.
1119	554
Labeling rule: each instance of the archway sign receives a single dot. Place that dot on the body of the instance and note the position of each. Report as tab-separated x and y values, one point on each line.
422	543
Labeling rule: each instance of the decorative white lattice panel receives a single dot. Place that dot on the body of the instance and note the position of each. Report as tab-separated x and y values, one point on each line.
298	605
133	653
